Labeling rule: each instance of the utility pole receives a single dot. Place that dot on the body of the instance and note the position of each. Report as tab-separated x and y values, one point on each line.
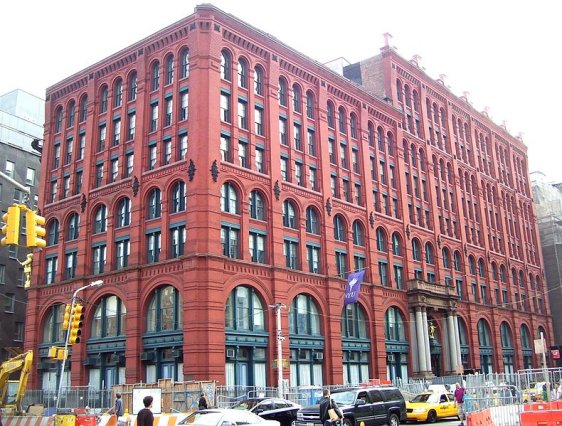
280	338
543	344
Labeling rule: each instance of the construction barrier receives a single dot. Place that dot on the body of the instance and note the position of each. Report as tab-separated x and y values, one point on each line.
90	420
541	418
479	418
28	421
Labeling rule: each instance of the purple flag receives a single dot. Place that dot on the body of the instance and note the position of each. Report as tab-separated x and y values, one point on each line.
352	287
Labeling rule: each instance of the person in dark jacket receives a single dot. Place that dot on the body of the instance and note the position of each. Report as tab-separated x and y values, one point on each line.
325	404
202	402
145	416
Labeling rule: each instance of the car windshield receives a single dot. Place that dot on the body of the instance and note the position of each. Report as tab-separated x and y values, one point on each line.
344	398
247	404
203	418
426	397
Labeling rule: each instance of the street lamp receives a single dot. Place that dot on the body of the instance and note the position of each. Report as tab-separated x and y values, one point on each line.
96	283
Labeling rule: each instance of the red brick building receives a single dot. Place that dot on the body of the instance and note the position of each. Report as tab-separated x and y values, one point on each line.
210	172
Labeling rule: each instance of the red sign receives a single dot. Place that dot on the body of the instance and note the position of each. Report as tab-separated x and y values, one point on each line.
555	353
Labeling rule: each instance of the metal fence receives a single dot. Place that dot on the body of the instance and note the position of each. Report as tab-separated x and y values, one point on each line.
74	397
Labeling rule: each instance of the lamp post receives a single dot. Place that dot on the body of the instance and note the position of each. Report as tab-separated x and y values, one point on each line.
96	283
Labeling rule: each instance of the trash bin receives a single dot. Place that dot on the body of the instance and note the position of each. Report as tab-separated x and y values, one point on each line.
65	419
86	420
310	395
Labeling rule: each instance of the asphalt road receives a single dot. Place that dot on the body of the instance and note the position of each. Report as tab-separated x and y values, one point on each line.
452	421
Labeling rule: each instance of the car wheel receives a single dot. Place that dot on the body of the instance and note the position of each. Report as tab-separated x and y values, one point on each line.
294	423
393	420
431	416
347	422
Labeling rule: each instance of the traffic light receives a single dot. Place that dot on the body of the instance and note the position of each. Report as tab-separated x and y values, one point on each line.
66	320
76	324
62	353
52	352
11	229
35	229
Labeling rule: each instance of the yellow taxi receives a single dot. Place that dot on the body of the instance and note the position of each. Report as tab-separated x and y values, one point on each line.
534	392
430	406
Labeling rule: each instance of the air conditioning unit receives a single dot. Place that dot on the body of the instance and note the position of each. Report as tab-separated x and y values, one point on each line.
147	356
390	357
230	353
318	356
177	354
90	361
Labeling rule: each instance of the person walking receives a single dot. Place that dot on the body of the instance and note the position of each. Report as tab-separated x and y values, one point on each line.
327	403
118	406
203	402
145	416
459	402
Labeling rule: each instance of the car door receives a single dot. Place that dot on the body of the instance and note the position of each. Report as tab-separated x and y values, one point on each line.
265	409
363	412
378	407
282	412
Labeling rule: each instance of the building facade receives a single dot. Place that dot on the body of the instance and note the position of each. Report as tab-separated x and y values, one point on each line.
210	174
21	120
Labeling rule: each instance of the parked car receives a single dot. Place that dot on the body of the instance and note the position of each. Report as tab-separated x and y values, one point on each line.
430	406
373	405
226	417
282	410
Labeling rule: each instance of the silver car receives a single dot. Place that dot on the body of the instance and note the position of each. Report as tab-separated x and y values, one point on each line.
226	417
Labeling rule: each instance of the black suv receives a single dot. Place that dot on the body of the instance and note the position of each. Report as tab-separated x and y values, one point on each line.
378	405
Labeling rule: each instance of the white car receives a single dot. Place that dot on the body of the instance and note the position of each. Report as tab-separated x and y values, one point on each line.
226	417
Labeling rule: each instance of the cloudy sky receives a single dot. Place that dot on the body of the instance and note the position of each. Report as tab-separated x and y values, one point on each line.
506	54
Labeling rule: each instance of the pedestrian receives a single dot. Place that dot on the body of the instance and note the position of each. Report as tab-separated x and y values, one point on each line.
203	402
459	402
145	416
559	392
326	404
118	407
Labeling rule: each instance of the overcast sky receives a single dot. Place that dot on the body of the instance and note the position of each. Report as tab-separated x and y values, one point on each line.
506	54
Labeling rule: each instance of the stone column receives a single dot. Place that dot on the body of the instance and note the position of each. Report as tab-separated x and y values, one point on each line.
452	341
426	342
420	340
457	339
414	344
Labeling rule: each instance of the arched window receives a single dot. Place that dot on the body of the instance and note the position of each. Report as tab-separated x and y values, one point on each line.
312	224
371	134
505	335
58	119
73	227
407	97
100	219
446	258
109	318
502	274
297	98
258	81
70	114
390	143
331	115
123	216
394	329
257	210
342	121
486	349
481	268
353	322
416	252
399	94
429	257
457	261
169	69
494	272
358	234
406	151
133	86
309	104
165	310
118	93
229	198
184	63
103	99
380	139
83	108
155	76
244	310
353	125
303	316
484	334
471	265
396	244
242	73
339	228
154	203
289	216
52	327
178	197
381	240
226	65
282	92
53	233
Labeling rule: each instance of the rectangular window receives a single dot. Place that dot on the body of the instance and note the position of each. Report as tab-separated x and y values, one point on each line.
2	274
382	172
331	152
130	159
68	156
122	251
178	236
297	137
131	129
52	264
153	242
257	247
114	169
98	259
82	146
290	251
19	332
226	151
53	191
259	160
355	160
116	132
343	156
183	147
341	264
383	273
102	137
334	186
346	191
242	154
242	114
10	166
78	182
153	117
283	138
184	105
99	175
9	303
311	143
284	170
66	188
152	156
258	121
71	261
225	107
167	151
169	112
313	180
357	194
298	174
229	240
398	276
313	259
56	162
